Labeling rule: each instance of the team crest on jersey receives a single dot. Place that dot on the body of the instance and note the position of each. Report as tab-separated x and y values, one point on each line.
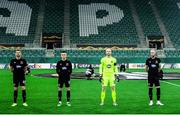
21	62
60	64
149	61
156	61
67	64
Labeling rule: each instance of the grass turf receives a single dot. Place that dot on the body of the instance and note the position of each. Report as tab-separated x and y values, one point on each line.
85	95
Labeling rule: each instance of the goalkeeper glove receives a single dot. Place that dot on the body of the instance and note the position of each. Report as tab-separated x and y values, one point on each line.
100	78
117	77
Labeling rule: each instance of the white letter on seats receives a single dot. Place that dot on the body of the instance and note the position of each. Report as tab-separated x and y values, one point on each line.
88	23
19	20
178	4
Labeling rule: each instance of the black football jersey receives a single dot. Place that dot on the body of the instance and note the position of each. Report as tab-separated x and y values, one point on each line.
64	68
153	65
18	65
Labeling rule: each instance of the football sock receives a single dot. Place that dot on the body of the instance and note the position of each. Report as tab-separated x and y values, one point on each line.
158	93
59	95
150	93
24	95
68	96
103	96
114	95
15	96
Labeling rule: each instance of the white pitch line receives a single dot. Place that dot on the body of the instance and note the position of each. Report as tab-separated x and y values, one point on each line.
171	83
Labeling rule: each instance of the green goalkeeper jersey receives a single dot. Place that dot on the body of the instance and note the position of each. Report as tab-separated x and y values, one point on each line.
108	66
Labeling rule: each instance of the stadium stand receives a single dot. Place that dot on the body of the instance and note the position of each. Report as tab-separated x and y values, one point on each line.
147	18
32	55
18	19
25	52
101	53
92	22
54	16
172	53
121	32
170	14
94	56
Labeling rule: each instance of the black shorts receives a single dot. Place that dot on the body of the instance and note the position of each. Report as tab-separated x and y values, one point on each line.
62	81
18	80
152	80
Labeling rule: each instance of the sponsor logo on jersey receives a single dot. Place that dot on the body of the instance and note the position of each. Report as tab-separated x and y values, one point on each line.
109	66
156	61
64	68
153	65
18	66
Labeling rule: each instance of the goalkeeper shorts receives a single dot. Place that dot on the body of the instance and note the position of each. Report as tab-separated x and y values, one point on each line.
108	80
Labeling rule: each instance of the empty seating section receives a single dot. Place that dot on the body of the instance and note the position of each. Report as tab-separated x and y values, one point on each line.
115	26
87	56
147	18
27	53
170	14
101	53
54	16
31	55
7	53
99	22
18	19
172	53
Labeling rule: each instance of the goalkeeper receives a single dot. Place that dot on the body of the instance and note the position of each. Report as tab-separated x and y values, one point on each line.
108	71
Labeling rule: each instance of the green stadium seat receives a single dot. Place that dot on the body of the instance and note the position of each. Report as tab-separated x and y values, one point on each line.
54	16
170	14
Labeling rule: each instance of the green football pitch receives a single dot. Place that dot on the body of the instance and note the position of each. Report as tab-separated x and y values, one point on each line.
132	96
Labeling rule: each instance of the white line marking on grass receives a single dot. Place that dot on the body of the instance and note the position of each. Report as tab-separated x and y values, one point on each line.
171	83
